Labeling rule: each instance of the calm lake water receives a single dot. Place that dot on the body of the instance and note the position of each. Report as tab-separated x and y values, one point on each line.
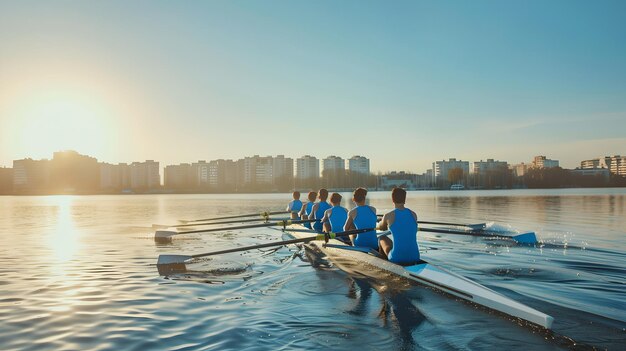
79	273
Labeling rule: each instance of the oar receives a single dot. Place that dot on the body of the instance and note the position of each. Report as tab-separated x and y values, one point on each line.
475	227
215	223
261	214
164	234
523	238
181	259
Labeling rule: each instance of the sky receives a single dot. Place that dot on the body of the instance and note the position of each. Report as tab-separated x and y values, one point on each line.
404	83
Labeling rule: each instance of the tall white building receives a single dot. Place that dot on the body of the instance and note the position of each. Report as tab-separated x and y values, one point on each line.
359	164
283	168
333	163
520	169
257	170
482	167
145	175
307	167
543	162
441	168
222	173
615	164
114	177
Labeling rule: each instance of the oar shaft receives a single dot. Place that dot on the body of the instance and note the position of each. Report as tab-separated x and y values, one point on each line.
259	214
458	232
281	243
442	223
259	225
222	222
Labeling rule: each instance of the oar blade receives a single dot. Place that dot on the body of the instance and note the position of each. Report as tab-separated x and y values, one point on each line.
172	259
525	238
477	226
164	234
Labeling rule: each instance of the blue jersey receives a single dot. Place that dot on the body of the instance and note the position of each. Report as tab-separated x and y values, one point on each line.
365	218
404	230
337	218
294	206
322	206
307	212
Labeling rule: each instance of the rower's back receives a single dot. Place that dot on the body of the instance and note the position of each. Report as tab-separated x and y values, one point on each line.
365	218
404	231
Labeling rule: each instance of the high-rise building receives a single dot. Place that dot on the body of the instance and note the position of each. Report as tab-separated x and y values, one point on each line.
359	164
543	162
74	173
283	170
223	174
615	164
179	177
31	176
6	180
333	163
482	167
145	175
519	169
307	167
200	174
441	169
114	177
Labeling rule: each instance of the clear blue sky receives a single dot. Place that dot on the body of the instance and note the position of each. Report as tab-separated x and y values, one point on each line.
404	83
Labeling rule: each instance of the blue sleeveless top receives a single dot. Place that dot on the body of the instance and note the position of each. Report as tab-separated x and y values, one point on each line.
337	218
295	206
307	212
404	231
365	218
319	214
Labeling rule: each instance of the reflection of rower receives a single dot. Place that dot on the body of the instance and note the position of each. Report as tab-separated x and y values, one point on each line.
402	223
317	212
335	217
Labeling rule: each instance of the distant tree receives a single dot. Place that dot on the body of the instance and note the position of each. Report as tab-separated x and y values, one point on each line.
455	175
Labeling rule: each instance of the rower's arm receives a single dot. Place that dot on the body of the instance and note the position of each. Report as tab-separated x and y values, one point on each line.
313	210
350	221
382	225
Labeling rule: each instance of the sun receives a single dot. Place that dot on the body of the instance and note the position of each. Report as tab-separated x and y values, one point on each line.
58	119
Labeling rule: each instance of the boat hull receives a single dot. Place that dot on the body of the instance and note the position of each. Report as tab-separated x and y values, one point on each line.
430	275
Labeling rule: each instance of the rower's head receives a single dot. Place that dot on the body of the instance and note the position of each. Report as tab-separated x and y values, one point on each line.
312	196
323	194
335	199
398	196
359	195
296	195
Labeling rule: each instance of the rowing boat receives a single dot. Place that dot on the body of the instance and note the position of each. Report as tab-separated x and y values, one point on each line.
427	274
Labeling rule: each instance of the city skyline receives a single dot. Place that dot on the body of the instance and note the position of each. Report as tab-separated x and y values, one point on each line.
405	84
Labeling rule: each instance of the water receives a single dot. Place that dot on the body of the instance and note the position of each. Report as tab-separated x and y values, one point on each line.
79	273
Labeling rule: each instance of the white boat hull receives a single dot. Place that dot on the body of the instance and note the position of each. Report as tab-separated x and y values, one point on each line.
433	276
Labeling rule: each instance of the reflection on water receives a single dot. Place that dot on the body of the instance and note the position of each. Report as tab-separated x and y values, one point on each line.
63	240
78	272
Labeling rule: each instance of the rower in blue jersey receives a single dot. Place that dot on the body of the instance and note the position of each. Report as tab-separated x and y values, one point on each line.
335	217
306	209
361	217
295	205
402	223
317	212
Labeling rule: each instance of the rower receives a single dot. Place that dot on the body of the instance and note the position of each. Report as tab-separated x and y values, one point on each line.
305	211
360	217
317	212
402	222
335	217
295	205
